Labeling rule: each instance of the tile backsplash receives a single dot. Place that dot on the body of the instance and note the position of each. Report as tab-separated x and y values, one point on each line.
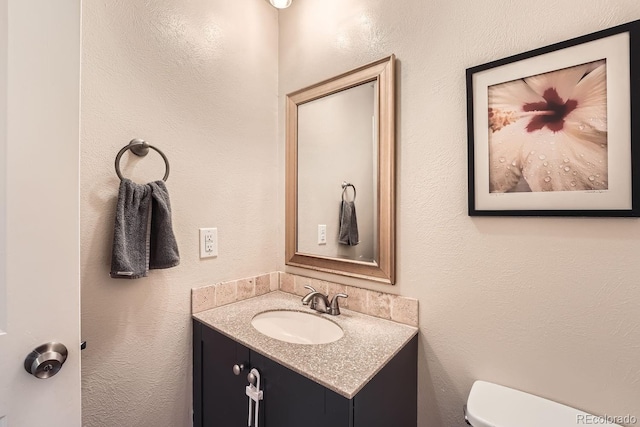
379	304
212	296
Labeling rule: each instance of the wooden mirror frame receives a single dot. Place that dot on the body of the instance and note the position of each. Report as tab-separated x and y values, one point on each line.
383	269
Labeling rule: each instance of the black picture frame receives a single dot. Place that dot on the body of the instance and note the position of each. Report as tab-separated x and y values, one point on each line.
591	160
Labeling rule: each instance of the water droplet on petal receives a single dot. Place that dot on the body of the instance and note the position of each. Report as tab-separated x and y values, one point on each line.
502	159
529	161
513	163
533	152
509	167
581	127
573	183
575	172
597	175
592	178
566	160
602	145
548	172
546	163
547	178
581	155
542	157
567	168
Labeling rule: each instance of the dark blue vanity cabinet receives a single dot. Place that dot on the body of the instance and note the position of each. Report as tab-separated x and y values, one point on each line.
290	399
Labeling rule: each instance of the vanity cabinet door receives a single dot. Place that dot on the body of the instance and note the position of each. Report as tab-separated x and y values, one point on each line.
219	395
291	400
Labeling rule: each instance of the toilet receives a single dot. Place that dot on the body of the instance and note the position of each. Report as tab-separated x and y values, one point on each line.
492	405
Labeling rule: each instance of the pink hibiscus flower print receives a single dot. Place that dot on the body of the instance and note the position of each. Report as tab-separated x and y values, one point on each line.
548	132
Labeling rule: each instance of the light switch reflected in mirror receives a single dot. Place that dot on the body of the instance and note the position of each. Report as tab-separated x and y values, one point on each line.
340	167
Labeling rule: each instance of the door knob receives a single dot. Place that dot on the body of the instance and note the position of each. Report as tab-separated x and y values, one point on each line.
46	360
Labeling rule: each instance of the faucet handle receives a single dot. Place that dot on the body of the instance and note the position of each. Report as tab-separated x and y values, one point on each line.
334	308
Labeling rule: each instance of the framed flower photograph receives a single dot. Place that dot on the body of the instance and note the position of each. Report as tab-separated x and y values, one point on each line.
553	131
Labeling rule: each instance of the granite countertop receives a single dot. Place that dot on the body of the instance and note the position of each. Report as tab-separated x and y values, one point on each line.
344	366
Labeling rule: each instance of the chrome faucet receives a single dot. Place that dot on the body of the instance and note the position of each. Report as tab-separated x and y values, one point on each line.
316	301
319	302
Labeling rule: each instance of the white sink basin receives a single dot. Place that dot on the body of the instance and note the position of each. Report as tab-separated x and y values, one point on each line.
297	327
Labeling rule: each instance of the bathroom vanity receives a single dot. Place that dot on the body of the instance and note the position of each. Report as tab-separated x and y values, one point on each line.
367	378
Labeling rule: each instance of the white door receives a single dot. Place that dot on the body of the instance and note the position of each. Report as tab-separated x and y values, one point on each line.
39	208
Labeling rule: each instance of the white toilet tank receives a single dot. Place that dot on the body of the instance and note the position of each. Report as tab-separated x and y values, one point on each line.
492	405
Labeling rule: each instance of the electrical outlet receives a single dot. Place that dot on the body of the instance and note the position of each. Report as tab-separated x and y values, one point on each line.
322	234
208	242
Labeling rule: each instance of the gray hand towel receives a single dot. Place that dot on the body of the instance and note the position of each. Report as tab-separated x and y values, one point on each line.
143	237
348	233
163	251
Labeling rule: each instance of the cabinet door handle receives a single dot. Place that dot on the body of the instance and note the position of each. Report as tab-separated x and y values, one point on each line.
237	369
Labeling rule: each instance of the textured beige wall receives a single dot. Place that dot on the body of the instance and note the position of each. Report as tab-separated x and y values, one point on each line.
547	305
198	79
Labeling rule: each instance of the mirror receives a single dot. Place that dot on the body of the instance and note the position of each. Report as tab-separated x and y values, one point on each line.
336	161
340	161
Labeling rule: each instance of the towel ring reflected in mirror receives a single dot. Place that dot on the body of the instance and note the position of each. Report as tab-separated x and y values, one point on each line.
346	185
140	148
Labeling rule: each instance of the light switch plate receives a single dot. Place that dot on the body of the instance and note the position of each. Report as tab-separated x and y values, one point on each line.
208	242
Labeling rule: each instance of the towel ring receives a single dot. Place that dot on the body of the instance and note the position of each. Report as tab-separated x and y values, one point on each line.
346	185
140	147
